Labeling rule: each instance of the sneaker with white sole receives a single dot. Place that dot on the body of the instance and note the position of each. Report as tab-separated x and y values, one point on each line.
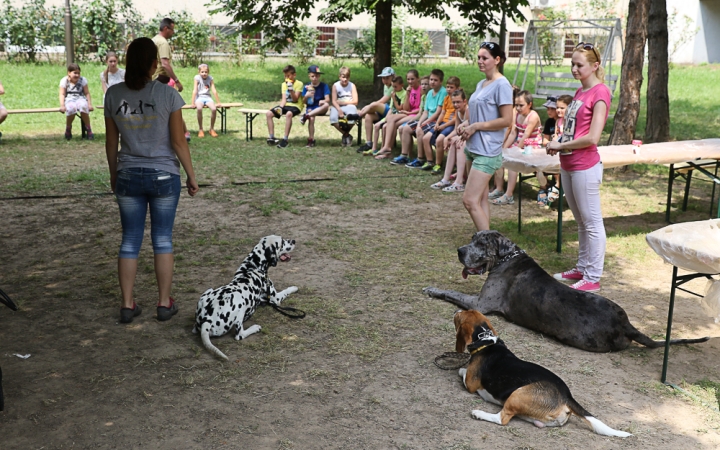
586	286
572	274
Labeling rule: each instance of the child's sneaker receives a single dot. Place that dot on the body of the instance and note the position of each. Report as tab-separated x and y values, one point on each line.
213	133
572	274
304	119
369	152
347	140
187	136
437	169
399	160
201	134
90	136
283	143
272	141
428	165
363	148
455	188
68	134
586	286
277	112
415	164
310	143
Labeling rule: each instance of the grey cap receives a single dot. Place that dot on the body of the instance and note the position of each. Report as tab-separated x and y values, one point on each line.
386	72
551	102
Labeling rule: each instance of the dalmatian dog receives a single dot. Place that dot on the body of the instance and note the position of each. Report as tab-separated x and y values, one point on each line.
221	309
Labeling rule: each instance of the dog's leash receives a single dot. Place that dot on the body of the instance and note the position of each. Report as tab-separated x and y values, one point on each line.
7	301
289	311
452	360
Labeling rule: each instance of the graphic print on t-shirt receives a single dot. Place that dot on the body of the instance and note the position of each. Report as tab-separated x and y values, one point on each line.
569	120
125	107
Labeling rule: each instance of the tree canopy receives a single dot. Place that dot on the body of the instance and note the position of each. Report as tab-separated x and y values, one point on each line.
280	21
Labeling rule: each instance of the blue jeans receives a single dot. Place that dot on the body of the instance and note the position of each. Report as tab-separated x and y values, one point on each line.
136	188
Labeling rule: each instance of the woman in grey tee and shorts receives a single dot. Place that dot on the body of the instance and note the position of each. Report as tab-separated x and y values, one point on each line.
145	171
490	113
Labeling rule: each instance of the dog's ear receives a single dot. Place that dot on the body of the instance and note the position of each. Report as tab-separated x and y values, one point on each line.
504	245
271	255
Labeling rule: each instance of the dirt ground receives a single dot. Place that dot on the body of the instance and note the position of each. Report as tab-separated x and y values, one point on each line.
356	373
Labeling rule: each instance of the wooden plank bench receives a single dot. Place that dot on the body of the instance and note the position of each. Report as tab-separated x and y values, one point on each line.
548	84
222	110
83	130
685	170
251	114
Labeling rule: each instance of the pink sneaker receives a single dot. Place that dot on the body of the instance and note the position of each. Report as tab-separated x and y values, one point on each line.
572	274
586	286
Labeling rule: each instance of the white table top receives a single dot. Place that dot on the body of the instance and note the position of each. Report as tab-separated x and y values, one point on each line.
692	246
617	155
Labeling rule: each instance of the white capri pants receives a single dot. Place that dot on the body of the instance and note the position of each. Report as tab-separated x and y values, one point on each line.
582	190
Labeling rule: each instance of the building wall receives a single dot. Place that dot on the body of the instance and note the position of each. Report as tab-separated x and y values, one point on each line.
705	48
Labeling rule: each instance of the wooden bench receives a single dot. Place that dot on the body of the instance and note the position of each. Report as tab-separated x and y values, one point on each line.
554	84
685	170
83	130
222	110
251	114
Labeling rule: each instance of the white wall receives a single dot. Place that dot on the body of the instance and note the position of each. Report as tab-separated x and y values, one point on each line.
705	49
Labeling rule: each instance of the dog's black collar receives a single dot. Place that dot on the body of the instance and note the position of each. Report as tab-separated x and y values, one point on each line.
507	258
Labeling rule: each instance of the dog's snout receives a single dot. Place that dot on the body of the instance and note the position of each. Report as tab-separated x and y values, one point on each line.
461	252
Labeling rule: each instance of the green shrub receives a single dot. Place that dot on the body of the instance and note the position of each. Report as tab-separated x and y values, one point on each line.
31	28
100	26
305	42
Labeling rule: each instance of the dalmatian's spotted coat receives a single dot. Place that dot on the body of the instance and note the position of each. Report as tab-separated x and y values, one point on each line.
220	309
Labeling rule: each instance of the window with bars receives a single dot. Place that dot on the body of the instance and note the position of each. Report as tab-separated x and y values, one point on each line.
516	41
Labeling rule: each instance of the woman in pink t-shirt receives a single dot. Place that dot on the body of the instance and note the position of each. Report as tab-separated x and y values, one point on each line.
580	167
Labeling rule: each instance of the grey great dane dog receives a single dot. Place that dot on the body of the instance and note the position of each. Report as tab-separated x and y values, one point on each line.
521	291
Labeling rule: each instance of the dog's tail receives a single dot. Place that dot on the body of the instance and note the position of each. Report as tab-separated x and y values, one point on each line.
205	334
634	334
597	426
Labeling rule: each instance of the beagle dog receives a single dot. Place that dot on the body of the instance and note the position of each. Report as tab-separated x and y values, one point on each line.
523	389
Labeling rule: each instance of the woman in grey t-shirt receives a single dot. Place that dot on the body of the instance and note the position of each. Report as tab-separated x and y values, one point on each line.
145	172
489	114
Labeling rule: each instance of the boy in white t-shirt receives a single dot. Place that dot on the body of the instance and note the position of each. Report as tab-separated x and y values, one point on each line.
75	98
203	84
344	100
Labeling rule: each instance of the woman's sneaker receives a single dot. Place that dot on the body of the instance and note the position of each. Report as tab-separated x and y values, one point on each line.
586	286
272	141
572	274
128	314
166	312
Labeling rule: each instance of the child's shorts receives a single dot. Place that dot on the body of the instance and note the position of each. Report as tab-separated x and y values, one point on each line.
346	109
204	100
444	132
486	164
428	128
412	124
73	107
383	114
278	111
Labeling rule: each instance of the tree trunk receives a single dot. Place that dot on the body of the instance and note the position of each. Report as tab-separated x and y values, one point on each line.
623	131
503	39
657	128
383	41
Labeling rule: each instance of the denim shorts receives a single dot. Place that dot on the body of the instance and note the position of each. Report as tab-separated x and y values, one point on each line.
444	132
136	188
204	100
487	164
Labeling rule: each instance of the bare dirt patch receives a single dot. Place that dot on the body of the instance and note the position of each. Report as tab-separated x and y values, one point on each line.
356	373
